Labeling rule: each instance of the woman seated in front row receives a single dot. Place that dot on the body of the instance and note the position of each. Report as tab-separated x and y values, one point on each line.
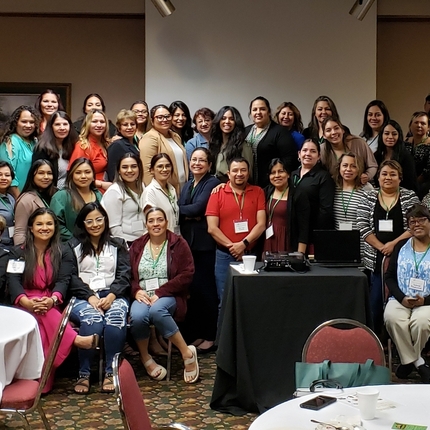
407	313
101	284
162	268
38	275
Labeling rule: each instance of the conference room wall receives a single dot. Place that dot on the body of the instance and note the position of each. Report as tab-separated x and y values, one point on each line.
106	56
403	67
227	52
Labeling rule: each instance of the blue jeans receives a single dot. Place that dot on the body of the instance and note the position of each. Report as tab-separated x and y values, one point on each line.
222	267
160	314
113	325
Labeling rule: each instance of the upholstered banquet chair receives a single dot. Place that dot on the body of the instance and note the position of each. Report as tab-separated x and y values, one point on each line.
22	396
129	398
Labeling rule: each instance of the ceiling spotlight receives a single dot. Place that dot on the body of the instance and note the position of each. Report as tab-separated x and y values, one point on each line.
360	8
165	7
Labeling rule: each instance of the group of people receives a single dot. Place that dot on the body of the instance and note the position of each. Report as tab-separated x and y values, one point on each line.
144	217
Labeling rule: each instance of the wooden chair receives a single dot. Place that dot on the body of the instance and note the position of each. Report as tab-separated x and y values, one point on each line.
22	396
129	398
343	341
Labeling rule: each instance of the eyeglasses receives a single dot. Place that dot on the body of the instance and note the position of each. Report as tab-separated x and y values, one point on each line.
164	166
417	221
99	220
163	117
198	160
143	112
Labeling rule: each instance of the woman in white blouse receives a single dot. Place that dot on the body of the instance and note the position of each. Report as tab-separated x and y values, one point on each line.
160	192
123	201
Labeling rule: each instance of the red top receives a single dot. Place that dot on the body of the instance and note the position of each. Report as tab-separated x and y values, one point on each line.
95	153
224	206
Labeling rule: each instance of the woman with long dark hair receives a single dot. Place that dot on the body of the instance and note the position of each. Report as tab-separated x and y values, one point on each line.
56	144
47	104
392	147
267	140
181	121
227	141
80	189
141	110
123	201
323	107
101	285
375	117
43	281
7	204
37	193
17	143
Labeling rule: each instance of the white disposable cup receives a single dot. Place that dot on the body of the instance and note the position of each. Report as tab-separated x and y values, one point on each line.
249	262
367	400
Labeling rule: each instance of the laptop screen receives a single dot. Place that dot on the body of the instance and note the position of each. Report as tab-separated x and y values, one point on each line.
337	246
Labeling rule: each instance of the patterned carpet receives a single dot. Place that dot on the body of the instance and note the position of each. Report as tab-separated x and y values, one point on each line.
165	401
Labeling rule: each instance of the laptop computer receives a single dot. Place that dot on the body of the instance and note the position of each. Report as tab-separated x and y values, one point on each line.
337	248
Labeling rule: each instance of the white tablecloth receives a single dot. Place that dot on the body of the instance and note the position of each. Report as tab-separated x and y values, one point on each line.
21	352
411	401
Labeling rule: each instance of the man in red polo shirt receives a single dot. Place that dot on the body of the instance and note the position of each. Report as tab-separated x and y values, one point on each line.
236	218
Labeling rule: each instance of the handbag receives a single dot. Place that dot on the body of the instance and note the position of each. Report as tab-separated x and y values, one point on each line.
345	374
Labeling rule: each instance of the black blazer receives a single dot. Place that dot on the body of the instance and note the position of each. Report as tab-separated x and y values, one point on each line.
115	151
277	143
121	286
60	285
4	258
192	219
297	217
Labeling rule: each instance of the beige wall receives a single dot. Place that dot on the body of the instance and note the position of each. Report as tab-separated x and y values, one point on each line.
106	56
228	52
403	67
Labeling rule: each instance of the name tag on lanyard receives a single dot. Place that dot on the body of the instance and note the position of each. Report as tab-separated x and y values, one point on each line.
386	225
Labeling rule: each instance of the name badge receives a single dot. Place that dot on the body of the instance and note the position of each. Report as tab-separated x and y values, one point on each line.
417	284
137	226
15	266
11	231
347	225
241	226
151	284
97	283
386	225
269	231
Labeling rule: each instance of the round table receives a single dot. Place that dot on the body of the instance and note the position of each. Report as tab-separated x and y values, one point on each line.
21	352
411	403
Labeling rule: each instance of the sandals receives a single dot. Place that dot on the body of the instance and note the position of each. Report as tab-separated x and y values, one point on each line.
153	374
194	374
108	385
82	385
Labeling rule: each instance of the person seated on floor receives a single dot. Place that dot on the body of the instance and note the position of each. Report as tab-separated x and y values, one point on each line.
407	313
101	284
38	275
162	269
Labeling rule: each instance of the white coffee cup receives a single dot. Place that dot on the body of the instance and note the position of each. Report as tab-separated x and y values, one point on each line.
367	400
249	263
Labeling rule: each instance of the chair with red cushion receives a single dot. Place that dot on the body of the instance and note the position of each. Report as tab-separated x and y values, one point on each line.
22	395
343	341
129	398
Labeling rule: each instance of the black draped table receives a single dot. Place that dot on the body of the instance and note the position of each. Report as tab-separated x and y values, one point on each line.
265	321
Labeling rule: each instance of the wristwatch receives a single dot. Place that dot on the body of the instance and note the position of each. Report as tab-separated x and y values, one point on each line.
55	300
245	241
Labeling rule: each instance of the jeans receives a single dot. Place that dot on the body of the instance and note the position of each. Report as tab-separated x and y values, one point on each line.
160	314
222	265
113	325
